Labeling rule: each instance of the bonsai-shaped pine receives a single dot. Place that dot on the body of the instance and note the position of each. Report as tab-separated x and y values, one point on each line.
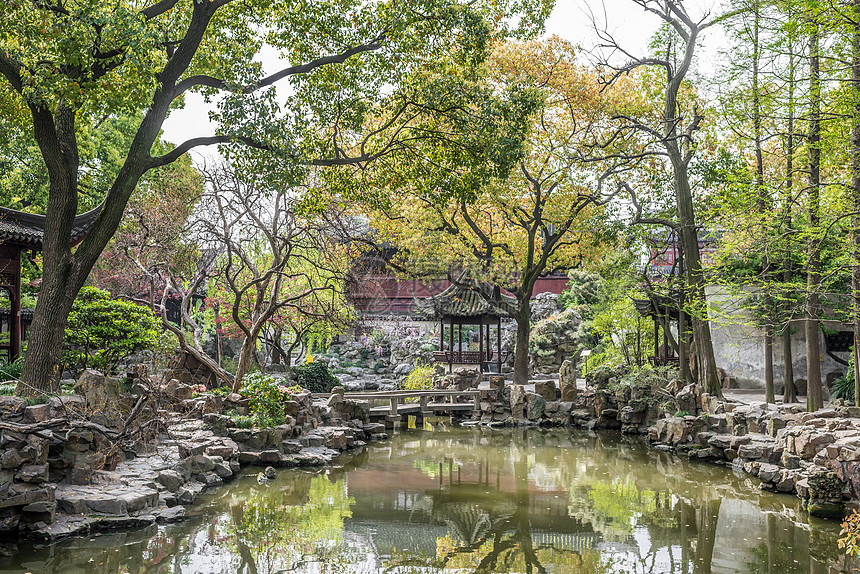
102	331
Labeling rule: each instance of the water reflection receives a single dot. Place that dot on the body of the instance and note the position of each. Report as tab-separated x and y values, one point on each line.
475	501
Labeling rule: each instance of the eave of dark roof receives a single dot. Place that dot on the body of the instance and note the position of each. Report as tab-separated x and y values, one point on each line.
657	306
28	229
460	301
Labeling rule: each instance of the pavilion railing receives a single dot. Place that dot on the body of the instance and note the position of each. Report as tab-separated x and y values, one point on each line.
462	357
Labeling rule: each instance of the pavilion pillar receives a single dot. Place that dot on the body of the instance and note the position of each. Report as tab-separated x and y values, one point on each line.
442	334
499	344
656	341
460	341
666	338
481	345
15	311
451	345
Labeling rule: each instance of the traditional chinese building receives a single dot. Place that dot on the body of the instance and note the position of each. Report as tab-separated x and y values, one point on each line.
20	232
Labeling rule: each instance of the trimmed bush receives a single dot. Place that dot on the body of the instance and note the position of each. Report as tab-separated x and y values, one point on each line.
102	331
316	377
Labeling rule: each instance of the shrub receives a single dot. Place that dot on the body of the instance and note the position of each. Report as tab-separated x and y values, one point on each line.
420	379
316	377
265	398
851	530
11	371
843	387
102	331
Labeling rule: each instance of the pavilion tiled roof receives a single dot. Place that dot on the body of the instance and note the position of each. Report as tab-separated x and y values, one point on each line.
28	229
460	301
657	306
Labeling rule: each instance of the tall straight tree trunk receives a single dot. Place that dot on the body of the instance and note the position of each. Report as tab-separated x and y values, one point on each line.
813	275
762	204
855	194
789	390
680	155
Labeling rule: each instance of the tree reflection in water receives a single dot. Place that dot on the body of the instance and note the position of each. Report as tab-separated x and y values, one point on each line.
274	530
475	501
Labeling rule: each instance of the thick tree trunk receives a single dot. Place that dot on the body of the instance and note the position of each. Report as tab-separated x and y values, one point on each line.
813	276
521	355
43	363
61	281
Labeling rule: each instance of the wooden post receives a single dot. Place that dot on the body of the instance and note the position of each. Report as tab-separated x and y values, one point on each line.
656	341
481	345
666	338
476	406
442	335
499	345
394	402
460	342
451	346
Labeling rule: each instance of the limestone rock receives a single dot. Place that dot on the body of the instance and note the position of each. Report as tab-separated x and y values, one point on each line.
535	406
546	389
170	479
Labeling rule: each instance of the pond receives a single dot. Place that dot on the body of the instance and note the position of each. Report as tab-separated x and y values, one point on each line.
473	500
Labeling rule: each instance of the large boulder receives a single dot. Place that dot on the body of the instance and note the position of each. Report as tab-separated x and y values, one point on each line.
546	389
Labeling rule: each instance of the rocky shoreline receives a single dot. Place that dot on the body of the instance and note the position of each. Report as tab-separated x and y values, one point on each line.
63	475
815	456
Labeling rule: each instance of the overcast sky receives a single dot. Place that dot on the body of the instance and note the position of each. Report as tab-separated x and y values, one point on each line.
570	20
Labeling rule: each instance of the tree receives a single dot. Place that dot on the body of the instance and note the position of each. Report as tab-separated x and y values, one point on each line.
153	235
71	64
275	256
546	215
674	135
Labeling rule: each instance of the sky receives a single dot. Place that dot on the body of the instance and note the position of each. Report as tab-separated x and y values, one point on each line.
570	20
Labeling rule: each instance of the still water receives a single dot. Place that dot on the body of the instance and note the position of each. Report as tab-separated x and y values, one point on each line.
472	501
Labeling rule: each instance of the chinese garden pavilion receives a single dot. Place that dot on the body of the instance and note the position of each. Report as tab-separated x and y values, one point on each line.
455	307
20	231
662	310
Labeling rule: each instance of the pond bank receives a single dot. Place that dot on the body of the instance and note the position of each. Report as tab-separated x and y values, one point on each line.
562	500
64	475
50	490
813	455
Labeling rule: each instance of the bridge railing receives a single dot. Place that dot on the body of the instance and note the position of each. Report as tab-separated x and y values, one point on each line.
396	398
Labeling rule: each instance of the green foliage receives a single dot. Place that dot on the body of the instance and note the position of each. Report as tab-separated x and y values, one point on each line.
243	421
420	378
843	387
102	331
229	364
316	377
12	371
265	398
584	291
